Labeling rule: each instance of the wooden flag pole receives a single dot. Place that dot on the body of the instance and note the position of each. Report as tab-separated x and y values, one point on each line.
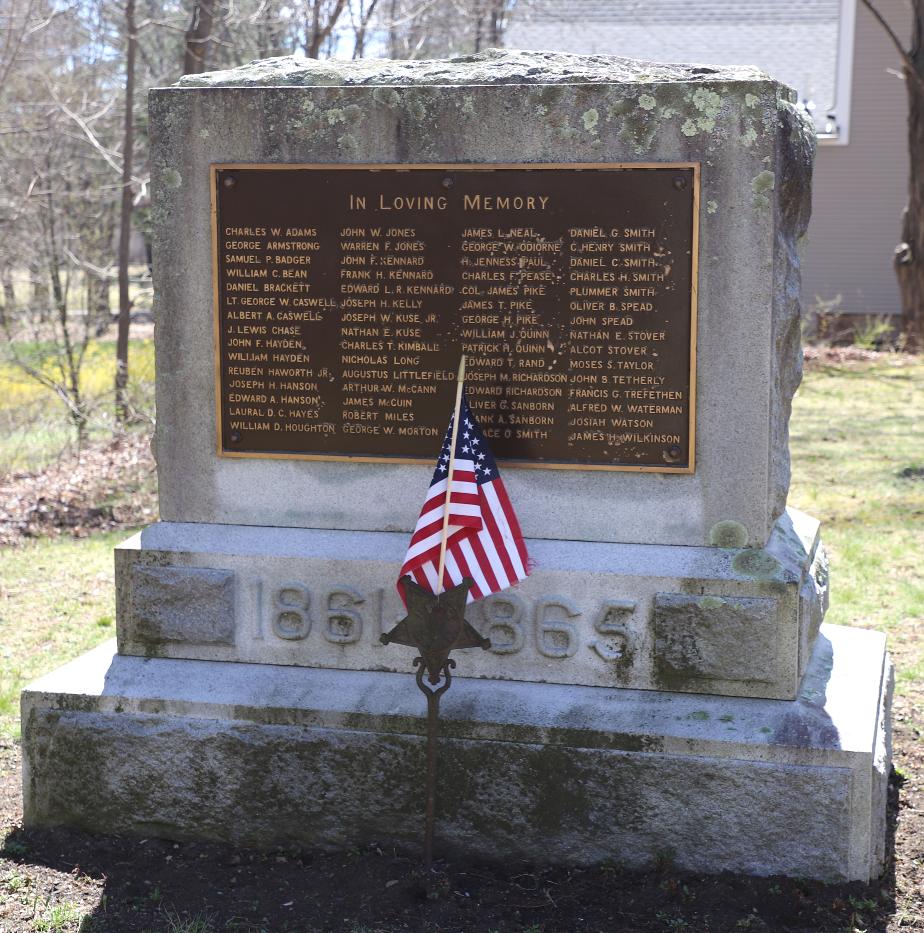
452	461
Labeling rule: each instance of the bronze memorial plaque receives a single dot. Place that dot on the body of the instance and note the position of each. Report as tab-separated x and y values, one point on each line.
345	295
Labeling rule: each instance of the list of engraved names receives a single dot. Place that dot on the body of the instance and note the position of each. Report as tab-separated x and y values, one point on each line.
344	298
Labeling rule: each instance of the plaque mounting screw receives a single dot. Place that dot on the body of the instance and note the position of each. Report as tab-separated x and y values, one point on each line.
235	437
229	181
680	182
448	182
673	454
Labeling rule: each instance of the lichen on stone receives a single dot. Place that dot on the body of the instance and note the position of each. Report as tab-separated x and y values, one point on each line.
591	118
561	125
757	564
415	107
711	602
639	129
348	144
727	534
349	114
387	96
706	101
762	184
616	109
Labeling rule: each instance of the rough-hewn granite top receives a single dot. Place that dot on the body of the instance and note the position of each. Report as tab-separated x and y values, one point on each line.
494	66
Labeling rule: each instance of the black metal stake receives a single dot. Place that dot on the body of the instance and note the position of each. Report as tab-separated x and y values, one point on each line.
433	695
434	625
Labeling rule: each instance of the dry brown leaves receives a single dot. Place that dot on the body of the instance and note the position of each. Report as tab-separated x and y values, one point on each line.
106	486
839	356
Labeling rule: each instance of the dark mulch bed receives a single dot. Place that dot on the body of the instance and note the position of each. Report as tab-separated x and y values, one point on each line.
103	883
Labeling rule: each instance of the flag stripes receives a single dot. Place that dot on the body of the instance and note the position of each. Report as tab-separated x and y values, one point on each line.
484	541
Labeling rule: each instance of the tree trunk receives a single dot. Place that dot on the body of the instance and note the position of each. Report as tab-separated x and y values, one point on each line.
365	15
909	255
197	37
393	30
497	24
313	37
125	219
70	358
479	25
319	28
98	304
40	292
9	299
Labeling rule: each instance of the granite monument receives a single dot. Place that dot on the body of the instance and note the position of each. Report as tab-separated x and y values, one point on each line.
615	245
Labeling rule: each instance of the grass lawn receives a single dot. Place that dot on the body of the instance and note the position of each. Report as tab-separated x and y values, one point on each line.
34	426
858	465
56	601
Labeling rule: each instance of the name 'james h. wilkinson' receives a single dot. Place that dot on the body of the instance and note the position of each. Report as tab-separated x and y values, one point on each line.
470	202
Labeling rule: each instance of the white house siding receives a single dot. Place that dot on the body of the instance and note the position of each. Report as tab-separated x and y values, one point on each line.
860	188
794	40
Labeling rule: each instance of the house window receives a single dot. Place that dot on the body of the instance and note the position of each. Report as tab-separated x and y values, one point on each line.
834	124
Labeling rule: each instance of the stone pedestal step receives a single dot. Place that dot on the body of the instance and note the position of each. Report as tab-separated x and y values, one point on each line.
732	621
271	755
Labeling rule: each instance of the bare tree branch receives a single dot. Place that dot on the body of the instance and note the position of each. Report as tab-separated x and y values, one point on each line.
909	63
15	37
94	142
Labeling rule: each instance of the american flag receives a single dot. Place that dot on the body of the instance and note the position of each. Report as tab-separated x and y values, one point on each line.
484	540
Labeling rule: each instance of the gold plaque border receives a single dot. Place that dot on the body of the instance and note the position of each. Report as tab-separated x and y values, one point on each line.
216	167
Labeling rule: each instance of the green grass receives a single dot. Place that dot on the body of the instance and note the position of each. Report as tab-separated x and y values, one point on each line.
58	918
56	601
180	923
855	430
34	426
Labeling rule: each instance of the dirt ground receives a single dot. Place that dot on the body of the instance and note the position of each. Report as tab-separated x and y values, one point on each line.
65	881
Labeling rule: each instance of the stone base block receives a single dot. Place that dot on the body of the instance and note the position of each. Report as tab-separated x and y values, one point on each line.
726	619
270	755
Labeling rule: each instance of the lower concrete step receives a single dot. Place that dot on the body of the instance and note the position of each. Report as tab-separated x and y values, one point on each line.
268	755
